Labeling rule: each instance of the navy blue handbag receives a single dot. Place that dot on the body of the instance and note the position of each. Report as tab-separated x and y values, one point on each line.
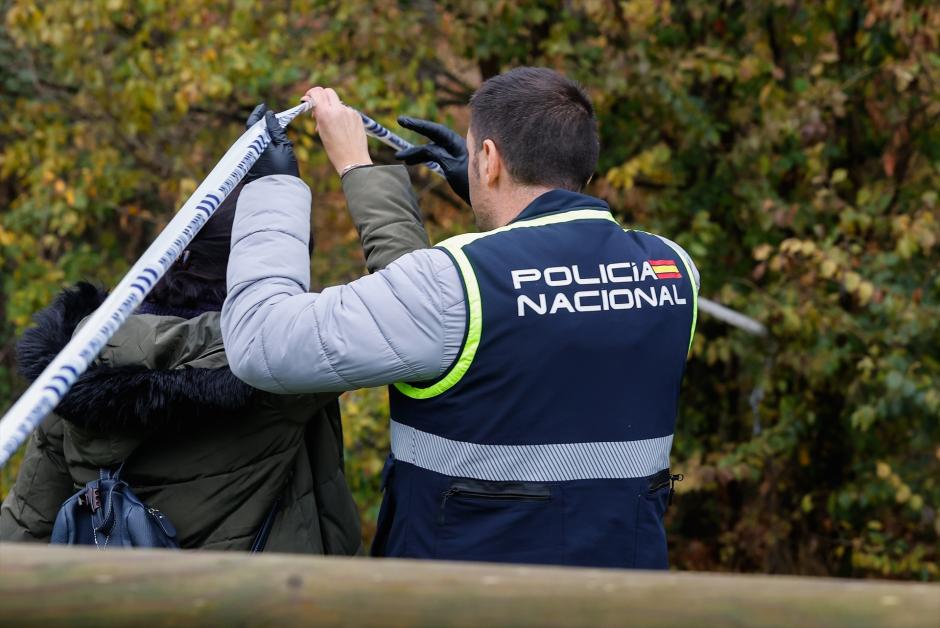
106	513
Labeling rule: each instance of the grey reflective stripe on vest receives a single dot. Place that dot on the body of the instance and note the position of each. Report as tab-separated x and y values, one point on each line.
530	463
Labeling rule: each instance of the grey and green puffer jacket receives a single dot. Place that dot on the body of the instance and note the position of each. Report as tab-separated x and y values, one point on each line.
200	445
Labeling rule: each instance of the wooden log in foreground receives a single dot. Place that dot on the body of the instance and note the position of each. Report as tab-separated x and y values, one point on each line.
84	587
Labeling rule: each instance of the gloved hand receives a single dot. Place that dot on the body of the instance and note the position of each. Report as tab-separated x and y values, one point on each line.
278	157
447	149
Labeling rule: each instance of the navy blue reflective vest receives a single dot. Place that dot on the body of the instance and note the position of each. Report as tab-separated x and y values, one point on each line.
548	439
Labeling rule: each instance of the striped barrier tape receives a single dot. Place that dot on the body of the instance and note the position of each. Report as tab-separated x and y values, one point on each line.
388	138
55	381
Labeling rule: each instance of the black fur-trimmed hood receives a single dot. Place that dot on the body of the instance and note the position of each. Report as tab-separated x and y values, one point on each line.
127	398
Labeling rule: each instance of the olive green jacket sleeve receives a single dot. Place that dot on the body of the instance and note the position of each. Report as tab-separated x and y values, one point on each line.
43	483
385	211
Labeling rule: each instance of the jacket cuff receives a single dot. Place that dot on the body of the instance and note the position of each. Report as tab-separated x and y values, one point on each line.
353	167
396	171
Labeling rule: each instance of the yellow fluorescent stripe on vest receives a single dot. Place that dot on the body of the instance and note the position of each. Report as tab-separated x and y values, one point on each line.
474	331
475	323
691	277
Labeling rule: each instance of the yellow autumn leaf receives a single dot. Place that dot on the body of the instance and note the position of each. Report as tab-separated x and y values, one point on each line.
762	252
187	186
790	245
851	281
882	469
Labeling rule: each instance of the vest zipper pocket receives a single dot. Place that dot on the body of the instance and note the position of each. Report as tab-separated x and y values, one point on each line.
663	479
495	491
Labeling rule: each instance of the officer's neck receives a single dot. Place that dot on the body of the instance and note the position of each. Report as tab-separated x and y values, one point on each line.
512	201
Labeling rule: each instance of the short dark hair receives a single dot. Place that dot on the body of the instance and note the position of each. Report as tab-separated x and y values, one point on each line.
543	124
197	279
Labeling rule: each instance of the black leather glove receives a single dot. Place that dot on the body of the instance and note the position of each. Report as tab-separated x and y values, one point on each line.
278	157
446	149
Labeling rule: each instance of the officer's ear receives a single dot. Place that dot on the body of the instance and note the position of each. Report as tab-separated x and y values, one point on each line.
492	163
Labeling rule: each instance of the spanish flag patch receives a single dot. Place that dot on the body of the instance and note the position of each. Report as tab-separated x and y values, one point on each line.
665	269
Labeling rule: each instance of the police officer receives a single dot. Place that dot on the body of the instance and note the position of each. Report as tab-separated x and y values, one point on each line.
535	366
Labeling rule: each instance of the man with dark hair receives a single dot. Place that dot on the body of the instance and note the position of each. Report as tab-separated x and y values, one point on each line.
535	367
544	124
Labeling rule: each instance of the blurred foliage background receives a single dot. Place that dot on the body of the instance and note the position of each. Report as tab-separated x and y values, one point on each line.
793	147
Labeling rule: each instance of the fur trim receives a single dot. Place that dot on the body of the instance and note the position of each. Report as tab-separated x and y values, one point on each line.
54	327
125	398
133	397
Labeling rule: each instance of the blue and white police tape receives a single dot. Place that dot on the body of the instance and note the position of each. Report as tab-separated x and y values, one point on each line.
388	138
56	380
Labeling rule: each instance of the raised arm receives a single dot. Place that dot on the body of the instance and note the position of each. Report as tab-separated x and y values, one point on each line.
380	199
385	211
404	323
